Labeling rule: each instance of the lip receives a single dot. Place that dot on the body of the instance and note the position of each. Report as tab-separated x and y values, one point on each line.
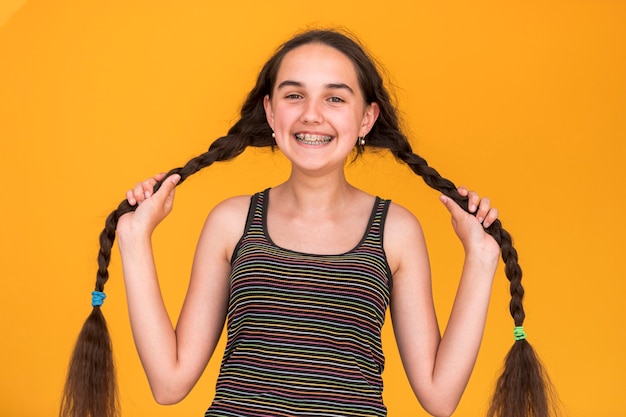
315	139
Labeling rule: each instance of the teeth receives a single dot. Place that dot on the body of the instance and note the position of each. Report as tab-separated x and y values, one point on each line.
313	139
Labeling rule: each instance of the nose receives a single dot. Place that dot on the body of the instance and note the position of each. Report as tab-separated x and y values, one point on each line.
312	112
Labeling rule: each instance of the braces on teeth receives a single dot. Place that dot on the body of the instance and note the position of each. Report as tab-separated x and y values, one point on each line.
313	139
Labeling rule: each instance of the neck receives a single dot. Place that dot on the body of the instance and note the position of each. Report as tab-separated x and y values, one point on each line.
315	195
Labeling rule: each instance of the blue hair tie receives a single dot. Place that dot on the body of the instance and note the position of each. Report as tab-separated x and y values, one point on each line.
97	298
519	333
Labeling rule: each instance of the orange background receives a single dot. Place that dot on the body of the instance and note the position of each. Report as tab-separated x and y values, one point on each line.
524	101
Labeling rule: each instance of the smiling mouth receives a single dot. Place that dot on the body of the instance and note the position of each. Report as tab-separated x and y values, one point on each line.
312	139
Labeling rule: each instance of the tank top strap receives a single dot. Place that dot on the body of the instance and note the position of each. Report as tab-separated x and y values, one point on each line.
373	240
254	222
258	208
377	221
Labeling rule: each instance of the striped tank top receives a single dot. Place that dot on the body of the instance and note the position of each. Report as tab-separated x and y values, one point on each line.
304	330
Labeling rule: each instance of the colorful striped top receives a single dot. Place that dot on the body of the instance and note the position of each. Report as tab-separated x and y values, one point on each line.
304	330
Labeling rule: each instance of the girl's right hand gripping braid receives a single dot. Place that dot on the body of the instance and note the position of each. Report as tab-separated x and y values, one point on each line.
173	359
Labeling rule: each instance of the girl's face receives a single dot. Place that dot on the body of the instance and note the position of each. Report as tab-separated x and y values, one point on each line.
317	109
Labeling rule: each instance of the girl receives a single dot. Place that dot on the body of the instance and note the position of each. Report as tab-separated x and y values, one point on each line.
305	271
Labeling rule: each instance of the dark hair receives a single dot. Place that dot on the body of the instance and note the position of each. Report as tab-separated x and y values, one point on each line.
523	390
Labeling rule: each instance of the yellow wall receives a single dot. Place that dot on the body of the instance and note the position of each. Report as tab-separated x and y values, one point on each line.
524	101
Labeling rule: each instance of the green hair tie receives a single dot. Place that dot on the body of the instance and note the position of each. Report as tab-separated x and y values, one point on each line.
518	333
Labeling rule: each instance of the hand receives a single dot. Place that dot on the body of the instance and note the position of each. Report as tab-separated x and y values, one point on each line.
152	207
470	227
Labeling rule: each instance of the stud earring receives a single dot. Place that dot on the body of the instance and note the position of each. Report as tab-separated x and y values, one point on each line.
361	140
274	135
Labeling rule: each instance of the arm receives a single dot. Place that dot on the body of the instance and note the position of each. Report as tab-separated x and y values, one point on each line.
174	359
438	368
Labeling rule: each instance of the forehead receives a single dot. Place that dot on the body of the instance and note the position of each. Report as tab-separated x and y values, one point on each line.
317	63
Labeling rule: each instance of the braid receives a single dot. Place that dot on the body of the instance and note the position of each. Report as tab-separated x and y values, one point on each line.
90	389
523	389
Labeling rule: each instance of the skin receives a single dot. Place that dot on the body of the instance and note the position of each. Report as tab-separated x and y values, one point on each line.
322	101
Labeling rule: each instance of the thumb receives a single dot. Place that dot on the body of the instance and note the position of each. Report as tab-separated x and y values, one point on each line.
454	209
167	186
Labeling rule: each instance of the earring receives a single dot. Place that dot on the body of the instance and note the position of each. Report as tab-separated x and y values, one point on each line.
361	140
274	135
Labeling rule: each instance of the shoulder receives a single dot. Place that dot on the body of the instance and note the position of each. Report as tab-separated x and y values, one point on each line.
404	238
400	221
232	207
226	222
230	213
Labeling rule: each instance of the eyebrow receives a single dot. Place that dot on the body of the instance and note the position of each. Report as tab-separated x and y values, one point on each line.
333	86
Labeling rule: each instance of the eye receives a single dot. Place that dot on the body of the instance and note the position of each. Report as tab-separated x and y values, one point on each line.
293	96
335	99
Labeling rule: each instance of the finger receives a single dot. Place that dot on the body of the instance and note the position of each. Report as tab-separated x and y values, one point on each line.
138	193
472	201
452	206
492	215
130	197
483	208
143	190
147	187
472	197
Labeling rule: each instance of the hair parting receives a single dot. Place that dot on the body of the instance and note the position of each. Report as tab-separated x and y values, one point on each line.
523	390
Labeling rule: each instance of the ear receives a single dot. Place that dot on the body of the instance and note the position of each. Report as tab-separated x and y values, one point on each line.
269	113
369	118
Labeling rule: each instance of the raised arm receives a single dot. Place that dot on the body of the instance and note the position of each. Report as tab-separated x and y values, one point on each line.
438	368
174	359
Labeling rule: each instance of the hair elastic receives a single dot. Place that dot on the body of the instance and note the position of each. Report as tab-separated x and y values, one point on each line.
97	298
518	333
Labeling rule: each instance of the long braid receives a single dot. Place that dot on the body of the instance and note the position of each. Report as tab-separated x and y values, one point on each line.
90	389
523	389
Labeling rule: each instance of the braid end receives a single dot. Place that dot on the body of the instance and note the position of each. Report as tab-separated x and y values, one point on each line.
524	388
90	388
